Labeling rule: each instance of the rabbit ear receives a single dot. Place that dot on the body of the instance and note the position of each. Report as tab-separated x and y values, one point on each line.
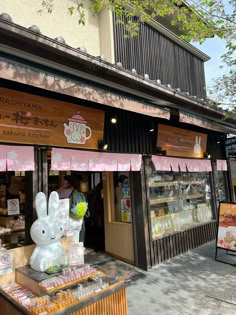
199	139
41	205
74	127
196	140
53	203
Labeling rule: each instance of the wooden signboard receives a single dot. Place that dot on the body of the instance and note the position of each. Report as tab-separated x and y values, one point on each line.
226	236
226	233
181	142
32	119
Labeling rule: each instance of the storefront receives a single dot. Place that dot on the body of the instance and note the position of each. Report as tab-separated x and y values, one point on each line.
165	153
149	159
30	119
158	197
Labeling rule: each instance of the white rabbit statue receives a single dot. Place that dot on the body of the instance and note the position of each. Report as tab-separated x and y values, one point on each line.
46	232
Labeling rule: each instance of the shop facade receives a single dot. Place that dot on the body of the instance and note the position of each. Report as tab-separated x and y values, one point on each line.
165	160
167	203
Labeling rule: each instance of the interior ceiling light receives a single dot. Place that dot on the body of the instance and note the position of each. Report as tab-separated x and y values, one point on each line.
151	130
113	120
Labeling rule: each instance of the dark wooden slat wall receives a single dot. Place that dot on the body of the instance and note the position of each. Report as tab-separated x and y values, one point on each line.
176	244
216	145
154	54
131	134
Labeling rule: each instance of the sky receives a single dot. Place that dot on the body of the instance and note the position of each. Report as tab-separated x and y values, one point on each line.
214	48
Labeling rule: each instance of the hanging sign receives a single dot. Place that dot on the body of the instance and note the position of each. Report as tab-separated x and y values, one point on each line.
181	142
33	119
226	234
6	262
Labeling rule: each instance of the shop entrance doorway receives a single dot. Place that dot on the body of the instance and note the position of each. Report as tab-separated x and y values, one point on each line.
118	216
108	222
89	185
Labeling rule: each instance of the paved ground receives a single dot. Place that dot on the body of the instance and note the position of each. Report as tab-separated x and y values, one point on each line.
190	284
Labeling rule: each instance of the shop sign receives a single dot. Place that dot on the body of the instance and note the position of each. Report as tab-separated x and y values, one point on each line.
226	235
13	206
181	142
6	262
27	118
63	215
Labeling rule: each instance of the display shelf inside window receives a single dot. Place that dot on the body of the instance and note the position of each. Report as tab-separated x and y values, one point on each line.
177	201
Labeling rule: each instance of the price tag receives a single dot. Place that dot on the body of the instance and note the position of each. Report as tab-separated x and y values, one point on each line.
76	254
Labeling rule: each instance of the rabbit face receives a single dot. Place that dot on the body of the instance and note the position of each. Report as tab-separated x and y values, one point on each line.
45	231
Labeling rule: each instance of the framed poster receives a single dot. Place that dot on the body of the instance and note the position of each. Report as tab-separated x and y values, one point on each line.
226	233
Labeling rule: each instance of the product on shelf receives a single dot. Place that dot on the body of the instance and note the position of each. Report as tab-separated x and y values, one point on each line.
68	275
86	283
177	201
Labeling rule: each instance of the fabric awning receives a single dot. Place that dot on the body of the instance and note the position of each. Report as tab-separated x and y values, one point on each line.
221	165
16	158
164	163
76	160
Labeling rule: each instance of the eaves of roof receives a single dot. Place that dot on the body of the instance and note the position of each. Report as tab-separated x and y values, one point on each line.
20	41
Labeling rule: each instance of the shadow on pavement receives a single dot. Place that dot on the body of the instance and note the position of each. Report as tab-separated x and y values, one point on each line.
193	283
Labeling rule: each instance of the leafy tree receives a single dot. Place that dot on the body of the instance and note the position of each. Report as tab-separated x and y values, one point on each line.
196	21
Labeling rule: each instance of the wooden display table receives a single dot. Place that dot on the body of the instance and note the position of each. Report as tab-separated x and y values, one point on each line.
110	300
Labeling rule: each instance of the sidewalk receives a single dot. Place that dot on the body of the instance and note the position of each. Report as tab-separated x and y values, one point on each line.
190	284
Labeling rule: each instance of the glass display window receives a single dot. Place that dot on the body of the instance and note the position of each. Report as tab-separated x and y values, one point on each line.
177	201
12	208
220	180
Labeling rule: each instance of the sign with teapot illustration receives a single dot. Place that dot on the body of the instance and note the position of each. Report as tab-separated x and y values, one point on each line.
34	119
181	142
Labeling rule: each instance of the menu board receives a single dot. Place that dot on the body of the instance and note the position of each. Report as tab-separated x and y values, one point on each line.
226	234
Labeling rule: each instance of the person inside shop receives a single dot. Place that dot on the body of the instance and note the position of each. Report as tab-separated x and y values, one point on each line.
221	193
78	205
95	223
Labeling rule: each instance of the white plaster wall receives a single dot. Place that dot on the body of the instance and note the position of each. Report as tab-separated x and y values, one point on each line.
61	23
106	35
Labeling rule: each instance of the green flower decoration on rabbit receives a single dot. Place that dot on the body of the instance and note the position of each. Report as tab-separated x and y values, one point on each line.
78	211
